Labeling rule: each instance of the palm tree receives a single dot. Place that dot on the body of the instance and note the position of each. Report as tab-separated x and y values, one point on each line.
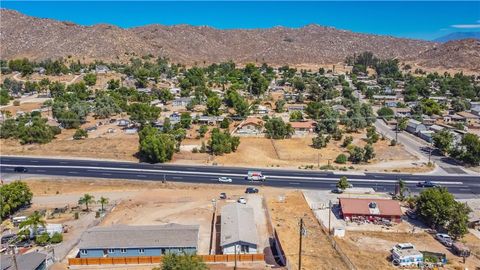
103	201
34	221
86	199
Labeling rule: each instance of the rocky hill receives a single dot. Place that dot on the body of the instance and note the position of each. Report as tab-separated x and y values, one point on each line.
25	36
463	53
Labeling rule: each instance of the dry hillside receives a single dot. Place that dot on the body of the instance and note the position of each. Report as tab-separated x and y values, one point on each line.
35	38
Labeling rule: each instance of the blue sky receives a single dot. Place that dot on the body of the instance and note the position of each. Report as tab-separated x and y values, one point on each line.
422	20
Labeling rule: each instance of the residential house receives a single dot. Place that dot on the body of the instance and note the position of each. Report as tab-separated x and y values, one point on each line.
209	120
436	128
181	101
414	126
27	261
476	111
291	96
296	107
469	118
261	109
133	241
251	125
304	127
426	135
391	104
100	69
238	233
123	122
370	209
39	70
144	90
381	99
175	91
174	118
402	112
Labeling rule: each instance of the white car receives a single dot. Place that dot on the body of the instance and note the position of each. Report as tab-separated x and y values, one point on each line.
242	200
225	180
445	239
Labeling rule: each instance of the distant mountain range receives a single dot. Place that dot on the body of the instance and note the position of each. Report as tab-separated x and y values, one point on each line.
458	36
35	38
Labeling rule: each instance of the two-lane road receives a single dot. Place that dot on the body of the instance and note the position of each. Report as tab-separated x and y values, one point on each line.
467	186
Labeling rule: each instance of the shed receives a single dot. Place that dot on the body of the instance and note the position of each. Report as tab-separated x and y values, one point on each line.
238	231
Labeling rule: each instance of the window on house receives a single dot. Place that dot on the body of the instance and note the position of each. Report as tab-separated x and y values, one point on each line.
111	250
141	250
244	249
123	250
83	251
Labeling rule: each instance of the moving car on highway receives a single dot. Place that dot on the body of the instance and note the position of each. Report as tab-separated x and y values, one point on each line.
225	180
427	184
20	169
255	176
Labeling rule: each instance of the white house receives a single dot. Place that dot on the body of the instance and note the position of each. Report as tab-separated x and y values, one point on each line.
238	232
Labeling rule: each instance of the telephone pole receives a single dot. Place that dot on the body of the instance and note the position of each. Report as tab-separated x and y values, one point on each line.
396	130
301	232
329	216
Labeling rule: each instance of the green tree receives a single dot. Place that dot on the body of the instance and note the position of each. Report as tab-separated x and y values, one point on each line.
155	146
320	141
402	188
56	238
33	222
185	261
443	140
213	105
369	152
469	151
341	159
42	239
458	222
323	113
280	105
222	142
258	84
113	84
105	106
80	134
90	79
225	123
87	199
372	135
103	201
185	120
347	141
296	116
202	130
435	205
143	113
343	183
4	97
357	154
386	113
14	196
277	129
164	95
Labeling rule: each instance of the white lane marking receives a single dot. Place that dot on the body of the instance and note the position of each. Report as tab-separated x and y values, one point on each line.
41	171
176	177
279	177
63	162
73	172
294	183
34	161
464	189
141	175
106	174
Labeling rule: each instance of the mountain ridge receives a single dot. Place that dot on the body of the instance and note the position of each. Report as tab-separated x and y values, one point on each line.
40	38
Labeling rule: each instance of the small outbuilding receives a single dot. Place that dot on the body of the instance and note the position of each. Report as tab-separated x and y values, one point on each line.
238	232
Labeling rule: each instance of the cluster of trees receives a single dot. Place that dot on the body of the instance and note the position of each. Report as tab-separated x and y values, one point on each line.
32	225
29	128
439	209
156	146
222	142
383	67
14	196
4	97
467	150
26	67
276	128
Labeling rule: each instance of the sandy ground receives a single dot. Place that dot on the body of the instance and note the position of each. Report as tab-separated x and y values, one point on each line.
370	250
317	251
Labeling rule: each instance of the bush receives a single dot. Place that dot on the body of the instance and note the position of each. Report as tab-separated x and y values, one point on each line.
80	134
42	239
194	150
16	103
393	142
337	135
347	141
225	123
56	238
341	159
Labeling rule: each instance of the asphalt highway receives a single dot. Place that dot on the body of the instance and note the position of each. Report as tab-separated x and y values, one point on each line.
465	185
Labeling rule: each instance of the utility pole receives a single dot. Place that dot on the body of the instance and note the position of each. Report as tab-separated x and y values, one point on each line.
329	216
235	265
396	130
300	245
318	160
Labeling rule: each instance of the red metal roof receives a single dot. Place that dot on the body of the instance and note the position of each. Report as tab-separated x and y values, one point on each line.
386	207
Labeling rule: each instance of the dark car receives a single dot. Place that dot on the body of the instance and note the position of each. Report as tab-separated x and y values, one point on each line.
223	195
337	190
251	190
426	184
20	169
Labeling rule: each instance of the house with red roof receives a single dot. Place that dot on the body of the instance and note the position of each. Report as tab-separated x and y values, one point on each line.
370	209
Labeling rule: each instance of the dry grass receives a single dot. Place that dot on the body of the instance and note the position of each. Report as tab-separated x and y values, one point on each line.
371	250
317	251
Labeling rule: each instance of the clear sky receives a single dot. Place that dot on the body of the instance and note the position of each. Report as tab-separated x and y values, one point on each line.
421	20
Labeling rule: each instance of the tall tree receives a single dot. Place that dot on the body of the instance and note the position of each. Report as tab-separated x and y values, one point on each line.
86	199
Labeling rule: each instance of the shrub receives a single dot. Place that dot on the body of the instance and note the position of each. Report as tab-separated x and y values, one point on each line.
341	159
347	141
16	103
42	239
194	150
56	238
80	134
393	142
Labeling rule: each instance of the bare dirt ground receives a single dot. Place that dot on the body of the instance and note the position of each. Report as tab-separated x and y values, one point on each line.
371	250
317	251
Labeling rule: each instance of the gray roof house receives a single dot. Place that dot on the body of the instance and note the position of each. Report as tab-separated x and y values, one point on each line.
181	101
27	261
414	126
238	231
132	241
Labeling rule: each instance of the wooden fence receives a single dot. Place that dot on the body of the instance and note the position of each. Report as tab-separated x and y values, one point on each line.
158	259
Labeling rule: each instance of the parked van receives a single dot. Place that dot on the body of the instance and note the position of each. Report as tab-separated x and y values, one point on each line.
460	249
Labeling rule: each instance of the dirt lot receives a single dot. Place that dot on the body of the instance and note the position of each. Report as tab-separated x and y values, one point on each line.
370	250
317	251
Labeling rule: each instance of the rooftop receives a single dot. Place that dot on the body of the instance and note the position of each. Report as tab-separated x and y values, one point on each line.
238	225
385	207
28	261
123	236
